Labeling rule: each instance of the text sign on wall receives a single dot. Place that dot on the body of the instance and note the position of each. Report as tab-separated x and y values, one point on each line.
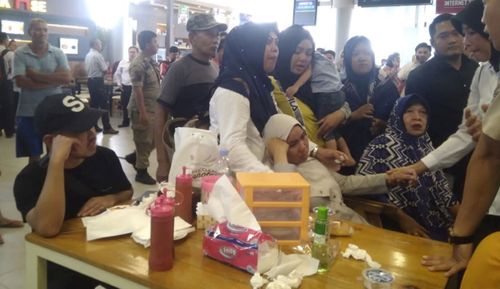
304	12
30	5
450	6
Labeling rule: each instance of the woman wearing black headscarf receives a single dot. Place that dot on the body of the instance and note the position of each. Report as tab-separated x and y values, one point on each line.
370	99
296	56
242	102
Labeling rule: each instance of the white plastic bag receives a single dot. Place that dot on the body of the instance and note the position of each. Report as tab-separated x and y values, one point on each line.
197	150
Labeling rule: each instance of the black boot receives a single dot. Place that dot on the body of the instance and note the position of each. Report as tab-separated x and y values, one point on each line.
125	123
143	177
131	158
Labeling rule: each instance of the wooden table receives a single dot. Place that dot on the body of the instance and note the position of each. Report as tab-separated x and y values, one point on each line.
123	263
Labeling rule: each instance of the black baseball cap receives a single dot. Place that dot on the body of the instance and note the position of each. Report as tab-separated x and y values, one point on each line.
62	113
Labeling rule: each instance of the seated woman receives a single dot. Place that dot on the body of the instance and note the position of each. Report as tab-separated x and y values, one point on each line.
242	102
430	202
287	145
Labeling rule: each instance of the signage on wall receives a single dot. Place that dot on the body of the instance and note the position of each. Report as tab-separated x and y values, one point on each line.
183	14
450	6
304	12
28	5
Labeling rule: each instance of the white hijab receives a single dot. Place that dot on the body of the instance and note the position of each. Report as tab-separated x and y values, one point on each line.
322	180
279	126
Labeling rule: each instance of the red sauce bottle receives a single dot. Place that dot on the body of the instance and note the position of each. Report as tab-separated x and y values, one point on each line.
161	253
184	186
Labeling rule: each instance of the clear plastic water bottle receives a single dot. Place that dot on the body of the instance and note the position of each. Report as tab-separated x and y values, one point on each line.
222	166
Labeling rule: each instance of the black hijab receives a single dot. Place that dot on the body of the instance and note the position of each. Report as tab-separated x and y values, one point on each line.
242	69
289	40
361	83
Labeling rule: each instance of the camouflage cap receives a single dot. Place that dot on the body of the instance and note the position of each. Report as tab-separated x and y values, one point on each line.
201	22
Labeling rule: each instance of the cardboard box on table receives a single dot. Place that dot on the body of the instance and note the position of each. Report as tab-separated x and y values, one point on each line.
280	203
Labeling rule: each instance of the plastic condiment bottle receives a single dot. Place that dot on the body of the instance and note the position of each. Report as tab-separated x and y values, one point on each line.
320	241
184	186
162	236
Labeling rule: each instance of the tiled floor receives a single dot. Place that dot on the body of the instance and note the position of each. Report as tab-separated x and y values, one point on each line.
12	252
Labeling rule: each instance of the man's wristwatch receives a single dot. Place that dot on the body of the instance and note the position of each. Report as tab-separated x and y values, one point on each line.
458	240
314	152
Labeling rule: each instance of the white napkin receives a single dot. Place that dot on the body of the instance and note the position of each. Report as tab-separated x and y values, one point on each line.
181	229
122	220
226	204
303	265
115	222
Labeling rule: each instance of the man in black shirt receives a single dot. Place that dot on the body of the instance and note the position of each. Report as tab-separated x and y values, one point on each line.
75	179
444	82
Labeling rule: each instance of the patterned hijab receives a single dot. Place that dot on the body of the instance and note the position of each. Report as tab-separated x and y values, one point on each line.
427	202
242	69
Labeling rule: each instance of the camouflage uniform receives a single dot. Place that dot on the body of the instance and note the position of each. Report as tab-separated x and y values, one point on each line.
144	72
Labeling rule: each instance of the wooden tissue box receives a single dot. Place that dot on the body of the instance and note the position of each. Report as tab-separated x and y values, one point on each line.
203	222
280	203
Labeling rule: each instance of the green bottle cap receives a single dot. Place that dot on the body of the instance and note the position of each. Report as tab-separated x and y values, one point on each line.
322	213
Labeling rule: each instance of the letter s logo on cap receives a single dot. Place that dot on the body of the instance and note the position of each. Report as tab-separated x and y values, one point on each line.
73	103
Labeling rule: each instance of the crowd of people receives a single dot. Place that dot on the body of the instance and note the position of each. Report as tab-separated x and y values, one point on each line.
423	138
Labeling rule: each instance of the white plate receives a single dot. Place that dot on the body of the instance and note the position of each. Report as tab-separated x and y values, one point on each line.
180	235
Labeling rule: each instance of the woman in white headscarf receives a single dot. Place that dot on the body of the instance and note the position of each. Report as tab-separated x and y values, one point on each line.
287	145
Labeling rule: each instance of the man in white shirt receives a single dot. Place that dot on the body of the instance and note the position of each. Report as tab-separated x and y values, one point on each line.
422	54
96	69
122	79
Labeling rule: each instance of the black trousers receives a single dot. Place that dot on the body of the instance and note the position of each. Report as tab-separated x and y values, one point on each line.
124	99
8	106
99	99
59	277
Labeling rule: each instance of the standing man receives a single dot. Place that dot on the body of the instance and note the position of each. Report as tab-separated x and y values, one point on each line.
422	54
122	78
39	71
173	55
186	87
7	103
145	78
444	82
96	69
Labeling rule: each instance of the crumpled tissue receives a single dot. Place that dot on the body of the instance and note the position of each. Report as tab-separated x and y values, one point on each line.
292	280
359	254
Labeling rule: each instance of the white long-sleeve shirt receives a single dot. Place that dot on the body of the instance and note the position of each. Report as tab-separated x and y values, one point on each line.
122	76
230	118
460	143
